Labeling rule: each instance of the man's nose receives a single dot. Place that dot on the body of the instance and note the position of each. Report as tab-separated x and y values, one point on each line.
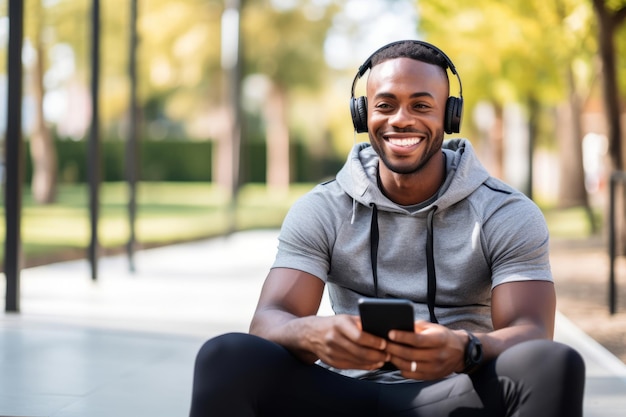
402	118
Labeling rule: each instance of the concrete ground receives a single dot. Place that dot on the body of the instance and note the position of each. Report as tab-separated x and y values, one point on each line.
125	344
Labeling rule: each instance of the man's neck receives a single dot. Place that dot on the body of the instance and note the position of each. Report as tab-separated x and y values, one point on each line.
414	188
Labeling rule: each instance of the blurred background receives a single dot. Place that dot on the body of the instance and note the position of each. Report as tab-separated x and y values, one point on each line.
214	116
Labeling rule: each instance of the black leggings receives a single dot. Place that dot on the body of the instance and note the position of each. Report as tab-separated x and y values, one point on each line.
240	375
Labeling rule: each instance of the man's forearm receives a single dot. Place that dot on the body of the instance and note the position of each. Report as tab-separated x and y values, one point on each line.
287	330
496	342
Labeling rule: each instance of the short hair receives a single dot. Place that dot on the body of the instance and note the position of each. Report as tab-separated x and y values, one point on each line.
413	50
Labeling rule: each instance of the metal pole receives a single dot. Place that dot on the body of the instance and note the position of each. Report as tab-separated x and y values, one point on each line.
14	158
612	250
615	177
93	151
132	160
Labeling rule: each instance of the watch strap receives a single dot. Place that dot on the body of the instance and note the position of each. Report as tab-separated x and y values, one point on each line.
473	353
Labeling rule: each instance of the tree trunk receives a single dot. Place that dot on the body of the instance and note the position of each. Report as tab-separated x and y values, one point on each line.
577	195
277	137
607	23
42	150
606	37
534	110
572	191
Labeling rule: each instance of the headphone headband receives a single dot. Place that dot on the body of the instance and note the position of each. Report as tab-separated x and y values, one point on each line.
454	105
368	62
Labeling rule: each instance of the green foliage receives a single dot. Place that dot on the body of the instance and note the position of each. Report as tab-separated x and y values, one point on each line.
285	45
511	50
505	50
179	160
164	160
518	51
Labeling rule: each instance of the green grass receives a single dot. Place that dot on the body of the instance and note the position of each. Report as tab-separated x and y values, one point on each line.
173	212
570	223
166	212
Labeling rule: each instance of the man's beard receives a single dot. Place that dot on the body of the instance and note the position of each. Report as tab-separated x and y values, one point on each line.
411	169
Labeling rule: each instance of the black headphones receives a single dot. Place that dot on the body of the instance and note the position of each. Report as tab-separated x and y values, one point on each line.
454	105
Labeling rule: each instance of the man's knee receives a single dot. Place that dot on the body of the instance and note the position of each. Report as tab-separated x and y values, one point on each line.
544	356
542	351
227	350
222	367
241	353
220	348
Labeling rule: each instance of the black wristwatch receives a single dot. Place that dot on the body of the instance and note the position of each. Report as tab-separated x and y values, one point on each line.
473	354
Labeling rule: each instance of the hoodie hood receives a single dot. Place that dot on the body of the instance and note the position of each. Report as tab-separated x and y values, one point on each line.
358	177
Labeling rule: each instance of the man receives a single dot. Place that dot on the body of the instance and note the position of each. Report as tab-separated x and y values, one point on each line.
410	217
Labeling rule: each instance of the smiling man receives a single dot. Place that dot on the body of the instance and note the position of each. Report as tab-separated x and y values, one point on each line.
408	100
410	216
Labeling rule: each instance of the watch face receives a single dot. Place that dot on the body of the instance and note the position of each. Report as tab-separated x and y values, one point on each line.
476	353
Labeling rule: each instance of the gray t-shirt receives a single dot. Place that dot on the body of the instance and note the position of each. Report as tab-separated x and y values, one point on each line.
485	233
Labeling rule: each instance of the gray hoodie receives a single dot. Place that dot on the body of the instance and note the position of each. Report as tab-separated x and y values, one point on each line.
360	243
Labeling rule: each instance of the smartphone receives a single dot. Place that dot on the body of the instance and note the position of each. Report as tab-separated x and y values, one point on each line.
380	315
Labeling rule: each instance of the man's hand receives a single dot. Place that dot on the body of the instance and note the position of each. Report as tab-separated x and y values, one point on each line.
339	342
431	352
287	314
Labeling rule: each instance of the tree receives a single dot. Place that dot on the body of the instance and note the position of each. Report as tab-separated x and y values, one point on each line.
286	46
573	20
503	51
42	149
610	15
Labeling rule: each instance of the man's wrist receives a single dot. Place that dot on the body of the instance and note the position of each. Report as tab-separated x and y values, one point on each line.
473	355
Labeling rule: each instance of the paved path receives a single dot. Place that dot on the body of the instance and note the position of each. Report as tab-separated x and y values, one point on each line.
125	345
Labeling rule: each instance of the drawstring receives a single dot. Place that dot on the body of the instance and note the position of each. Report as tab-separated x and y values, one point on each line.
430	267
352	179
430	258
374	246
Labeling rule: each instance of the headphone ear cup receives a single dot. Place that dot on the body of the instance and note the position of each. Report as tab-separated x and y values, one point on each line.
358	109
454	112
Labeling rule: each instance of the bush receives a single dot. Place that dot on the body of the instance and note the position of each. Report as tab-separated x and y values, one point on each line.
178	160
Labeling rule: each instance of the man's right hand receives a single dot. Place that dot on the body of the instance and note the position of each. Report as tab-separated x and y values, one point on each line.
287	314
339	342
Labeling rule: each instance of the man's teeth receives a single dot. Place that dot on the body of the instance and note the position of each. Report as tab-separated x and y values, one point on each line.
405	142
